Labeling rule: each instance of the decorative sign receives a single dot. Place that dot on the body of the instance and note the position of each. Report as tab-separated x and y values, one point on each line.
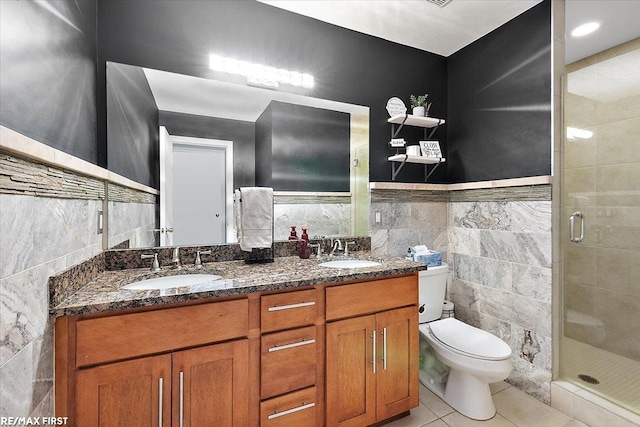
397	143
430	149
395	107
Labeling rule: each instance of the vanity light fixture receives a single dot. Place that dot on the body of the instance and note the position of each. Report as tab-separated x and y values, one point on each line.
573	133
260	75
585	29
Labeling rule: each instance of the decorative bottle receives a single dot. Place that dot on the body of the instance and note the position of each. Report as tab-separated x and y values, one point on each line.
293	235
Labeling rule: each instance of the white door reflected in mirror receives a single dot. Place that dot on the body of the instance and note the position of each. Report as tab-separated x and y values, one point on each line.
196	179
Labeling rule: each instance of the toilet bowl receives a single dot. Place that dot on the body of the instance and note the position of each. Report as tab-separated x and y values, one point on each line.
475	358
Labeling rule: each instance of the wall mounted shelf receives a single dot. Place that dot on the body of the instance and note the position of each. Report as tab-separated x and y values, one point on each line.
405	158
418	121
397	122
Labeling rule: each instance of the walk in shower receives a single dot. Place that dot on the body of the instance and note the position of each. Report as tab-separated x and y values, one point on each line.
600	348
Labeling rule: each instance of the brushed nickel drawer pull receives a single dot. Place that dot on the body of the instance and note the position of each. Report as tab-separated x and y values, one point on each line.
292	345
289	306
181	398
384	348
160	400
373	335
291	411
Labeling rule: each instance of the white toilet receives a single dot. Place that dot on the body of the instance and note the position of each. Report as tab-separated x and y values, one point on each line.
474	358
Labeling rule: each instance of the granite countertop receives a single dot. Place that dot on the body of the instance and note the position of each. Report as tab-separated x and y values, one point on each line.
105	292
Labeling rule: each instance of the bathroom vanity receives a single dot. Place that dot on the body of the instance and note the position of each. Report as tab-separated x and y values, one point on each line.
291	343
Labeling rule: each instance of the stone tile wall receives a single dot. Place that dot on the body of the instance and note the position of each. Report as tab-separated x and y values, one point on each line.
407	219
321	219
48	223
499	252
500	280
39	236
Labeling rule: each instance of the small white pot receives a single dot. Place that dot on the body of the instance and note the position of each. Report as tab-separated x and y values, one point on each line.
418	111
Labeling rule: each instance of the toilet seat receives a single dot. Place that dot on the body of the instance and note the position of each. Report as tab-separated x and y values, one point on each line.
468	341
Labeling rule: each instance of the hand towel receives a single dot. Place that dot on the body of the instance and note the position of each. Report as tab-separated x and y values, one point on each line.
256	218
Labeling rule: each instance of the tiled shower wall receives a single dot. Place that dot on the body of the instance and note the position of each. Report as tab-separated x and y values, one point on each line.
602	176
498	245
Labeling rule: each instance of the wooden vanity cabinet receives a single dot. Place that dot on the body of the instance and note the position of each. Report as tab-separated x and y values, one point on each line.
155	368
202	386
292	352
135	392
334	355
372	351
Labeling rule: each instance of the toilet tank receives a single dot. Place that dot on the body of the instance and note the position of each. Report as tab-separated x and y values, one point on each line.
432	285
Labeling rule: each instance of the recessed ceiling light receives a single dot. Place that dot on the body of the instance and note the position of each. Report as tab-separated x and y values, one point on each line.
585	29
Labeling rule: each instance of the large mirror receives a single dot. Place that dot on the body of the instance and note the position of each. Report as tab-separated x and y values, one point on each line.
196	140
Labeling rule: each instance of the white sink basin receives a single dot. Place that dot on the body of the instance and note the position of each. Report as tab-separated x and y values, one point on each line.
172	281
349	263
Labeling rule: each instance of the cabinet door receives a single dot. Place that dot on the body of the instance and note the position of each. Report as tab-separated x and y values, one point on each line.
397	374
132	393
350	372
211	385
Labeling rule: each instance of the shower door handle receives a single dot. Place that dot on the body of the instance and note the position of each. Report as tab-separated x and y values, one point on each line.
572	220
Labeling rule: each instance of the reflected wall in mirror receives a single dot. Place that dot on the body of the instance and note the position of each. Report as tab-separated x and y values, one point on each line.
195	140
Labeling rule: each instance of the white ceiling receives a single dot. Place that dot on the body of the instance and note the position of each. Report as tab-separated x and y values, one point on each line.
415	23
618	24
214	98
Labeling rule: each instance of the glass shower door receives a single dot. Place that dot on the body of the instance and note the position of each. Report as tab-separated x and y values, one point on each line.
601	248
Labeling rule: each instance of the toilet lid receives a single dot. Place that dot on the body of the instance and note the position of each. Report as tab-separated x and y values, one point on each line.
469	340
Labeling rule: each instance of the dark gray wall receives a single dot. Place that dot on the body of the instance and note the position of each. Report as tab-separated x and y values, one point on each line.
309	148
48	74
132	125
241	133
499	89
178	36
264	133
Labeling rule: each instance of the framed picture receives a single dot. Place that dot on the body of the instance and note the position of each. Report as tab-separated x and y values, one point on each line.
430	148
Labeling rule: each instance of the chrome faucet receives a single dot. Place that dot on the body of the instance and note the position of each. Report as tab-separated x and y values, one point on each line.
176	258
156	265
198	263
336	245
319	246
346	247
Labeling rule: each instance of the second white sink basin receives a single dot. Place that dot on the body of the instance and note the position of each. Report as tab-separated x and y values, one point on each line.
172	281
349	263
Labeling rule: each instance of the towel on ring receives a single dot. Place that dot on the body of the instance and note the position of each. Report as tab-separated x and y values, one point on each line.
254	218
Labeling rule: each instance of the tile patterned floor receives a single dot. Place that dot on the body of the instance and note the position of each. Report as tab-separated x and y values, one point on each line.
619	376
515	409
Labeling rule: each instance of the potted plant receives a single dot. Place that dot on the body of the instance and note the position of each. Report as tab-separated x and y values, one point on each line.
419	105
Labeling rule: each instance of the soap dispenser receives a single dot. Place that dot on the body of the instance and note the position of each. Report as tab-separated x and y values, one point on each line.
293	235
304	249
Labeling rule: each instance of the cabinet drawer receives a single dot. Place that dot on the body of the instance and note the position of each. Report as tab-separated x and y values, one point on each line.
294	409
130	335
288	310
288	361
370	297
